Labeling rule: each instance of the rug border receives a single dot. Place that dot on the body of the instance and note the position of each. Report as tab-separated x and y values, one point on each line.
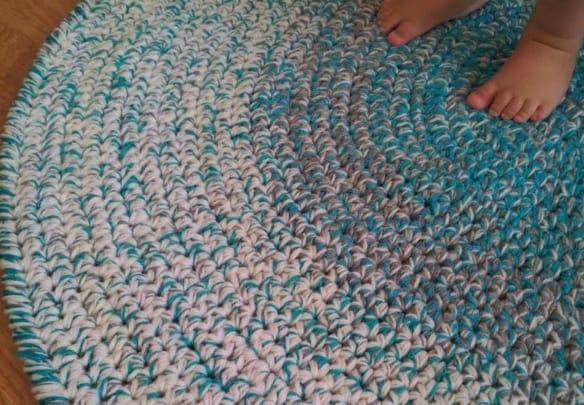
47	386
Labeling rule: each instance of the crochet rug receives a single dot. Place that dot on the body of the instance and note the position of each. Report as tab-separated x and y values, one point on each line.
258	202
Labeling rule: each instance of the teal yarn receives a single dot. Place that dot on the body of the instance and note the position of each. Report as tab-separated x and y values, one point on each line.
263	202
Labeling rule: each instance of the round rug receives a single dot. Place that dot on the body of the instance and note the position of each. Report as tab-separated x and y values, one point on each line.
263	202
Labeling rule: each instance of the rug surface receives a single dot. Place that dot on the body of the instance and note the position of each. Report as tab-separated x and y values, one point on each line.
263	202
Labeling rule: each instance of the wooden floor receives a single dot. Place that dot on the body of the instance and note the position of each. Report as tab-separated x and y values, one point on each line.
24	25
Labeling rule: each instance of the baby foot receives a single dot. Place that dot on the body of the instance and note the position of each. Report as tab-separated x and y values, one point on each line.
403	20
531	83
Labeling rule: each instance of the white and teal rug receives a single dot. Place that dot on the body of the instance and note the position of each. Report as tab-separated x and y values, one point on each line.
259	202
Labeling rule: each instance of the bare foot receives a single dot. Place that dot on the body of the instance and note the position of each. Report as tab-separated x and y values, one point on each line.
530	84
403	20
535	78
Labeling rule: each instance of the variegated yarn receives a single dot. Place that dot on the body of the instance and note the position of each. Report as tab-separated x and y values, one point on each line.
257	202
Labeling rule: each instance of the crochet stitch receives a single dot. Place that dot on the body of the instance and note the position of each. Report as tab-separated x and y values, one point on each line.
244	201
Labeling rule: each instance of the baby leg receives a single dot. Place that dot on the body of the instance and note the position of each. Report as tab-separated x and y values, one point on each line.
535	78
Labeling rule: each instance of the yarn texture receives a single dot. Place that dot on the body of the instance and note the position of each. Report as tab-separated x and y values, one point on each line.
263	202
